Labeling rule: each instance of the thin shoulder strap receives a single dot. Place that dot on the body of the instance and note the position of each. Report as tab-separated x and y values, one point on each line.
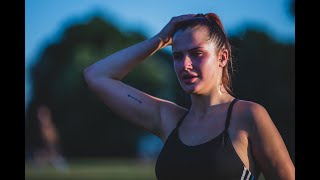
181	119
229	113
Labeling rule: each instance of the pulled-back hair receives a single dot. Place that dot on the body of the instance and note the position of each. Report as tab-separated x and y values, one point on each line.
216	34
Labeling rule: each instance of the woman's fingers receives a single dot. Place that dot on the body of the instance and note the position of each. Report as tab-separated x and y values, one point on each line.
167	32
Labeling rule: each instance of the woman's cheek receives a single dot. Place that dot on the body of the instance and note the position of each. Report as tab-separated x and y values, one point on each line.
176	66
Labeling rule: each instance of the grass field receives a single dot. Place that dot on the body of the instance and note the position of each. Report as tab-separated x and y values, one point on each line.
93	169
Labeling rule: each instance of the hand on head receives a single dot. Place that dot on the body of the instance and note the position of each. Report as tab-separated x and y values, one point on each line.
166	33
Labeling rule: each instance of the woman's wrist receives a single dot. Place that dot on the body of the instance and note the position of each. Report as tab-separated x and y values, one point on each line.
163	41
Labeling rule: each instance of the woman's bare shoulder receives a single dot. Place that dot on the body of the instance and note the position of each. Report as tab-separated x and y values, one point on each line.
249	113
255	117
171	113
249	105
250	109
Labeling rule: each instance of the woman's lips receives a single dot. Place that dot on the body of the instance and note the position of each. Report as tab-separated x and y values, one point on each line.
189	78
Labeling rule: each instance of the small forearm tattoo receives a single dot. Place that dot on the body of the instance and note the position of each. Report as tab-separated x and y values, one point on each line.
134	98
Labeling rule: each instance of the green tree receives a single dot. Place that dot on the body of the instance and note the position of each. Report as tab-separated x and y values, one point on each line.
86	126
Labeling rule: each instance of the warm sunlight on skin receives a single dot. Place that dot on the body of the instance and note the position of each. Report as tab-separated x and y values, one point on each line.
195	61
237	144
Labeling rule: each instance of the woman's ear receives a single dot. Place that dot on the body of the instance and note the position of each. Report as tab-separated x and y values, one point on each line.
223	57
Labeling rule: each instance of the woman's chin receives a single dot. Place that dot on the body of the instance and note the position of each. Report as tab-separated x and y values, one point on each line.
190	89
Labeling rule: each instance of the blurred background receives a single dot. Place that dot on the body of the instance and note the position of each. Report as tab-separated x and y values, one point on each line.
70	134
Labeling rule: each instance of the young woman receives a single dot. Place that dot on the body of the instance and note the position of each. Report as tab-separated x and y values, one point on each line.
220	136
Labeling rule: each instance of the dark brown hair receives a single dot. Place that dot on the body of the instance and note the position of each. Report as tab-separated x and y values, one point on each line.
217	35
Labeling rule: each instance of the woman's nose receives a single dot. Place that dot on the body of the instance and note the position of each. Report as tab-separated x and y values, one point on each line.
187	63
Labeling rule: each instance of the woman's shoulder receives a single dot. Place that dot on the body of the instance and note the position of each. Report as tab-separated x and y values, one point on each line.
171	113
251	112
249	107
171	110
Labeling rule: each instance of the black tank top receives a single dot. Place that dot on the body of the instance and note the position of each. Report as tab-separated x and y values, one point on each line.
215	159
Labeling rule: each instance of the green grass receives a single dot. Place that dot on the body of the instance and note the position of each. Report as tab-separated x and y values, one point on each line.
106	169
97	169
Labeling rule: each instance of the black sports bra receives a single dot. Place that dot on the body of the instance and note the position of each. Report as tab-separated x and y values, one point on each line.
215	159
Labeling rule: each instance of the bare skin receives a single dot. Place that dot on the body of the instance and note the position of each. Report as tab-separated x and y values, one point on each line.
198	66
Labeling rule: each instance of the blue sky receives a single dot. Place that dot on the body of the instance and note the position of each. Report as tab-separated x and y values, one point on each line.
46	19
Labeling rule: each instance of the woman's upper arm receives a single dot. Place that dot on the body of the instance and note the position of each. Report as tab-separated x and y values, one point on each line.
268	147
131	104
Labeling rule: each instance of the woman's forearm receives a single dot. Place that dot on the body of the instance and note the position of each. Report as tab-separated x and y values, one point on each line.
117	65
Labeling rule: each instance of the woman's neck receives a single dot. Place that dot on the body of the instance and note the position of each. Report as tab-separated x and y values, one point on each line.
203	104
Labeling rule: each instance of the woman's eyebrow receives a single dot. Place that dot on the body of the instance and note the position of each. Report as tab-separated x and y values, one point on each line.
196	48
192	49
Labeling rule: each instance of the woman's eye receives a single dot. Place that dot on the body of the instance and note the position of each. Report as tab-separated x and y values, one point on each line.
196	53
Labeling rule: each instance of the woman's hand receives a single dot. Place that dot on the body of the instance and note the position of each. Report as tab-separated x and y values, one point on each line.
165	35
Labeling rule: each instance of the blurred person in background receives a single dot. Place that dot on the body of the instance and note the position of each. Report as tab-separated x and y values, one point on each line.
49	153
219	136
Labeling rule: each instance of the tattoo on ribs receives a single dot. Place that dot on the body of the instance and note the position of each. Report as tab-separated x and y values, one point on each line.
134	98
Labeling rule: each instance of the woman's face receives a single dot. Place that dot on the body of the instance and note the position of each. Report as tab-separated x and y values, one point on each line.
196	61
